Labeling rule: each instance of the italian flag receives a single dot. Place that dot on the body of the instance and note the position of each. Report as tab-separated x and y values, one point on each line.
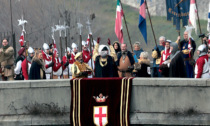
118	22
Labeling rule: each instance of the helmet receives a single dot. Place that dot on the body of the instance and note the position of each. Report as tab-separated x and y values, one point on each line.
202	48
84	43
68	49
73	45
30	50
168	41
102	47
46	46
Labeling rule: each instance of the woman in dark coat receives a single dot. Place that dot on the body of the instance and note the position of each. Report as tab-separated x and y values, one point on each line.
143	67
116	46
37	70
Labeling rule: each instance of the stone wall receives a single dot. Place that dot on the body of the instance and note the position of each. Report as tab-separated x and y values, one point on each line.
154	101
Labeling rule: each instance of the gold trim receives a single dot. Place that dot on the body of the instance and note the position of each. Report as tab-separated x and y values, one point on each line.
126	109
121	104
94	113
124	99
79	102
103	60
73	102
76	101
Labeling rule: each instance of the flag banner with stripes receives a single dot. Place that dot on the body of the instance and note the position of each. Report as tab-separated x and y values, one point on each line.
118	22
142	20
100	101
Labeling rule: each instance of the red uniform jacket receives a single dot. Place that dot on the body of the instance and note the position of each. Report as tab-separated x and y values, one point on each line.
199	66
64	59
48	58
72	60
25	69
86	56
57	64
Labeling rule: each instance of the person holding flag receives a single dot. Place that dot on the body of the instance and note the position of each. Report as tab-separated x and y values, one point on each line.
125	62
188	46
156	55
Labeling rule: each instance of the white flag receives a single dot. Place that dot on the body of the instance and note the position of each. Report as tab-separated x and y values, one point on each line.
193	15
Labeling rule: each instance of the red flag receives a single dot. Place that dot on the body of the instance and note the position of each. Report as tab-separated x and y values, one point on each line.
88	39
118	22
21	40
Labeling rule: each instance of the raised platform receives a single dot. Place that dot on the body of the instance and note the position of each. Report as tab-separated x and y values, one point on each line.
167	101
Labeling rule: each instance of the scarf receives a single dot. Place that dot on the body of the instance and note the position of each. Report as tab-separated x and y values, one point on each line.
5	47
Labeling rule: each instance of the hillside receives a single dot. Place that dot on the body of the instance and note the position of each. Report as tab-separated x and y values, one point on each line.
158	7
42	14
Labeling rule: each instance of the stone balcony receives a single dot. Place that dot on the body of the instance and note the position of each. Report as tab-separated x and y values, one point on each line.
168	101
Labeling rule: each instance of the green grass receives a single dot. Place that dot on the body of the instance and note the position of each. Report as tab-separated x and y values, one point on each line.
105	19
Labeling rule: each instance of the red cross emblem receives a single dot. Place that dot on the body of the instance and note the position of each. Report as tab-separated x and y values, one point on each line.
100	115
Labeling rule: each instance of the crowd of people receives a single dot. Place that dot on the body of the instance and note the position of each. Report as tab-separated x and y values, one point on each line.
170	59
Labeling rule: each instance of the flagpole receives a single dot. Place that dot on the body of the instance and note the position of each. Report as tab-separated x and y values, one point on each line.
91	40
151	23
66	53
91	60
80	40
24	36
126	26
52	57
198	20
61	51
12	39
